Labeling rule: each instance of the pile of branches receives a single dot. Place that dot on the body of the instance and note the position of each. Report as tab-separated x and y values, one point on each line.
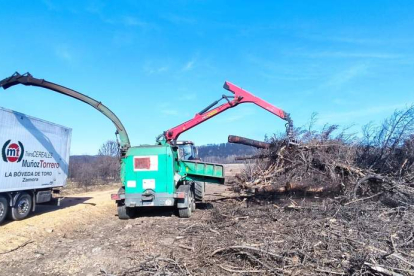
243	236
380	165
325	237
155	265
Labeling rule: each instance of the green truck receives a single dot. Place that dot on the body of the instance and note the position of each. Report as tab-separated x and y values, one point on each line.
168	173
161	175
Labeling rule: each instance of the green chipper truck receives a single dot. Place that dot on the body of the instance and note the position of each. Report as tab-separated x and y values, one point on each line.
159	175
168	173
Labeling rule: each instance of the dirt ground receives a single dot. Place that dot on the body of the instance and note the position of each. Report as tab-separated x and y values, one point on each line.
85	237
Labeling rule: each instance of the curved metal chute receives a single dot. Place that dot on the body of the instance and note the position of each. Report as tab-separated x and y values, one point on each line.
29	80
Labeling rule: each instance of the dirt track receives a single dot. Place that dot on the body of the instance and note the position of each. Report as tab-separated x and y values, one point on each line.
85	237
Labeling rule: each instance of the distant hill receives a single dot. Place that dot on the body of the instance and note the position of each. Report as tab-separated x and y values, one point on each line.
224	153
83	158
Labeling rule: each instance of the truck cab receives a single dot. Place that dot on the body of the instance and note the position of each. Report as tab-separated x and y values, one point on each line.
187	150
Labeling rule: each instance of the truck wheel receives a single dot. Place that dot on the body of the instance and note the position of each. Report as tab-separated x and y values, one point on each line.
125	212
186	212
22	208
4	208
199	189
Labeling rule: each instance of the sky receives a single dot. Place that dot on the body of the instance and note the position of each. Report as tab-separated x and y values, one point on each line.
155	64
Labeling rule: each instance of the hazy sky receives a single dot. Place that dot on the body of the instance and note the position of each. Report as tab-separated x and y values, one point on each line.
157	63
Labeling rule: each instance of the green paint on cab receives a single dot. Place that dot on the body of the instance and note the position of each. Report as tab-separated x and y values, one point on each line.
160	176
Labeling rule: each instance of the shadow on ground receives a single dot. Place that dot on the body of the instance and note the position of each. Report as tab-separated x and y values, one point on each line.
65	202
142	212
53	206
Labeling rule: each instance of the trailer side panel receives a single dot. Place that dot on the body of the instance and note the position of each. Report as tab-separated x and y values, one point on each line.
34	153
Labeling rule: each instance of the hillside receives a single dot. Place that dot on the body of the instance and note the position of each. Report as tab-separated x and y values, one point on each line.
224	153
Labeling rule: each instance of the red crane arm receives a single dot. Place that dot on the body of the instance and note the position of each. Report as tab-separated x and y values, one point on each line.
240	96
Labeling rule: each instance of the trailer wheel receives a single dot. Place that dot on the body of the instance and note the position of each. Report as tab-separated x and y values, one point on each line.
125	212
22	207
4	208
199	189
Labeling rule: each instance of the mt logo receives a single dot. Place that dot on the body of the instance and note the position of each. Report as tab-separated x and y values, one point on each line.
12	152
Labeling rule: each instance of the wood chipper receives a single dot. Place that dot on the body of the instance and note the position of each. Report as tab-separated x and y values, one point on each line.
168	173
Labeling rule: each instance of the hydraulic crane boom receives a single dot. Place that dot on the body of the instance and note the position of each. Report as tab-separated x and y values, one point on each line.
240	96
29	80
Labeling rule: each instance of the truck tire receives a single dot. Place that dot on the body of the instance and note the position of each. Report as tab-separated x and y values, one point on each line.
4	208
186	212
125	212
199	189
22	207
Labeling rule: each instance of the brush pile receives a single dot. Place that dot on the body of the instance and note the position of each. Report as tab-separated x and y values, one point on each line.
304	237
379	166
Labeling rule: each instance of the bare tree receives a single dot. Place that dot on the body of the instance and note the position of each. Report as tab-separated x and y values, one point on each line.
99	169
110	148
385	147
108	161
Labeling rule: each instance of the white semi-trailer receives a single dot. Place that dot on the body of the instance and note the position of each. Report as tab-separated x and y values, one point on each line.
33	164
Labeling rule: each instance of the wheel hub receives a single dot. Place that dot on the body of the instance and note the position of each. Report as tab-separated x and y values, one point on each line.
23	206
